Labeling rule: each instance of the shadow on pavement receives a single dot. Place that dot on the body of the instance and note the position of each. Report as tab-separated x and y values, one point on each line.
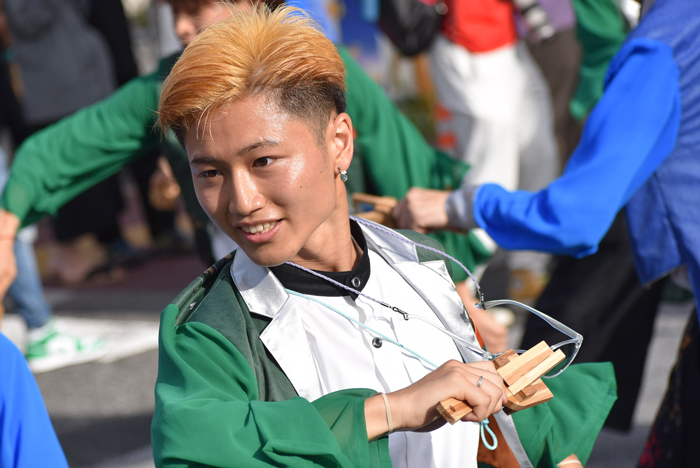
88	441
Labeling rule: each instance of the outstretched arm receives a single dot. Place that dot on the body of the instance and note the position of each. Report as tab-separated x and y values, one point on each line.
60	162
628	135
63	160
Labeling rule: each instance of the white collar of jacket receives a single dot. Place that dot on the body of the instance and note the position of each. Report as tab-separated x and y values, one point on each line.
286	339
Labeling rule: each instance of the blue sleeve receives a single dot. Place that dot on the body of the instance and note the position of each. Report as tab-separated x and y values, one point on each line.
627	136
27	438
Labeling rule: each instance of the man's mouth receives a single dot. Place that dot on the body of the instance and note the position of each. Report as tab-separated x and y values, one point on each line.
259	228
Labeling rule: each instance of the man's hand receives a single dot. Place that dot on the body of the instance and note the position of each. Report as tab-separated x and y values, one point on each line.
422	210
9	224
413	408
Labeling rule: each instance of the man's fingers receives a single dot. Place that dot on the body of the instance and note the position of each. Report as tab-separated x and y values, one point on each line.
485	365
483	395
491	385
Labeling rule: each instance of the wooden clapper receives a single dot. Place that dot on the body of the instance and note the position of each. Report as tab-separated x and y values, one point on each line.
381	208
522	375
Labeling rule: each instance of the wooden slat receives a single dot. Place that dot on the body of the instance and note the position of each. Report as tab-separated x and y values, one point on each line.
527	392
542	395
537	372
374	200
522	375
521	365
504	358
453	409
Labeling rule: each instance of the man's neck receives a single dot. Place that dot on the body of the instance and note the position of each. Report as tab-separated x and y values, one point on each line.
330	247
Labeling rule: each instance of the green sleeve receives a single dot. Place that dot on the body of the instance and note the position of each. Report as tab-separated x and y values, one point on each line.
394	157
601	29
60	162
208	413
571	421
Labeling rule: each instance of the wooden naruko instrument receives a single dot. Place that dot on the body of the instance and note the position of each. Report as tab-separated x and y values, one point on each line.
522	375
381	208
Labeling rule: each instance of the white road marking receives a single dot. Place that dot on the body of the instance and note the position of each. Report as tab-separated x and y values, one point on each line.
123	338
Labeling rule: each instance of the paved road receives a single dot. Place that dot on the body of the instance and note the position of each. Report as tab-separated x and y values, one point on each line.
102	411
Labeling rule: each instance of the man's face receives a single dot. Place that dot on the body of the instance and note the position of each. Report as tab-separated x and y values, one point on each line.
191	21
263	178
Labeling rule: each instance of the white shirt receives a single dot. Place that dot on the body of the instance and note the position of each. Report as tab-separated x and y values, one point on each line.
345	358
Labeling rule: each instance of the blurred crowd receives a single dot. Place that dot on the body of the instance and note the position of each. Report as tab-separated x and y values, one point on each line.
498	91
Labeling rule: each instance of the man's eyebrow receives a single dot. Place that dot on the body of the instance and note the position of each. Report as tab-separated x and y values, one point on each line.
258	144
241	152
202	160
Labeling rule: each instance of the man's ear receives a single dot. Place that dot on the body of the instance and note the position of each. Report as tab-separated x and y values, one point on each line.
342	143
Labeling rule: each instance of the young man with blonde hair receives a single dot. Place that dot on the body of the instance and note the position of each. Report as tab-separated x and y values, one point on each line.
275	355
62	161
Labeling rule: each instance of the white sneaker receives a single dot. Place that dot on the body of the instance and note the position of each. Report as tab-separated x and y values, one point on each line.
49	349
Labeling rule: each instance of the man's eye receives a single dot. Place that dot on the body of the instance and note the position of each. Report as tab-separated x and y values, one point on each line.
209	174
262	162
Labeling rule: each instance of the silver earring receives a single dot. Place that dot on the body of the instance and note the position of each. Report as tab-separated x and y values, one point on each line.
343	174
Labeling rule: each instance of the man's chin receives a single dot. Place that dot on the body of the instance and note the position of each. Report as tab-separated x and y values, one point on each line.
261	257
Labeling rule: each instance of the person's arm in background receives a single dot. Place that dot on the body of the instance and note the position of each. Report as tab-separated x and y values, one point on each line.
60	162
627	136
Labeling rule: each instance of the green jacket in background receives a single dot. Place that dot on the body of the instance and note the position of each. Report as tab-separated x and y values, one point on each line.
62	161
601	28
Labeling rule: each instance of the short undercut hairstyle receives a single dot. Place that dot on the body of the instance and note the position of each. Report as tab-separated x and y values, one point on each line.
280	54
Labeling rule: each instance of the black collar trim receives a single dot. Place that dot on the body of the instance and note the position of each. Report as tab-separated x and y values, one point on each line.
300	281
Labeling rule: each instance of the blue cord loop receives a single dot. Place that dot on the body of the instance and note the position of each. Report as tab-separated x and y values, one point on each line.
485	424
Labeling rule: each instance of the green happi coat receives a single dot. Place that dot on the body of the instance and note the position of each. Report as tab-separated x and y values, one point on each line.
229	379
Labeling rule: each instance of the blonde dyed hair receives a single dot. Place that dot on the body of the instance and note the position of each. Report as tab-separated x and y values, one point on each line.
281	54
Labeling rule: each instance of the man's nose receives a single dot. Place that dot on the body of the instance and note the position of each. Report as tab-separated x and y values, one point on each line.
246	197
184	28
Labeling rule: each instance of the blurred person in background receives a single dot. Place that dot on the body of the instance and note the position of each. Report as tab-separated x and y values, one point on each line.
109	19
499	112
10	110
46	347
559	57
391	156
65	65
639	151
618	321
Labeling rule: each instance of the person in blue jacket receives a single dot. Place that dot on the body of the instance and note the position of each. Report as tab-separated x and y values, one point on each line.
27	438
640	150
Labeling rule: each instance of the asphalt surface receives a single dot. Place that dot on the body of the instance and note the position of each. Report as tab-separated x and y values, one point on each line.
102	411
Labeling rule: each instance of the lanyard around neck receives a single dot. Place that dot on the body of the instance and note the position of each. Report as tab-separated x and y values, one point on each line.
485	354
